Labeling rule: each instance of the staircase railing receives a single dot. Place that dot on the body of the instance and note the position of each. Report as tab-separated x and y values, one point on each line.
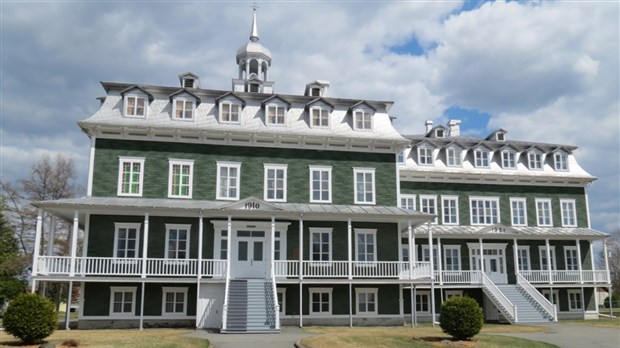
507	307
547	306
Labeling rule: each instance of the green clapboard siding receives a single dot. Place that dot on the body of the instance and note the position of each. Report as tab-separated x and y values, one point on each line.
504	192
157	154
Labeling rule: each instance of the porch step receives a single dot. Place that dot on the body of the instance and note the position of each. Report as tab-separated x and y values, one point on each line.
528	310
250	307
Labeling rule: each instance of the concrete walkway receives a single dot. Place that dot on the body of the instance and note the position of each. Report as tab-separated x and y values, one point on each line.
285	339
574	336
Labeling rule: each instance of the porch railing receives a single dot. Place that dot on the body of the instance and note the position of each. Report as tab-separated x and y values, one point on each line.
565	276
340	269
461	277
549	307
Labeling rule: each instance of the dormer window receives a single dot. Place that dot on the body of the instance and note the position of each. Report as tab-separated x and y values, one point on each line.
189	80
253	87
135	106
188	83
560	160
362	120
275	114
183	109
534	160
481	158
499	136
229	112
439	133
509	159
453	157
319	117
425	155
315	92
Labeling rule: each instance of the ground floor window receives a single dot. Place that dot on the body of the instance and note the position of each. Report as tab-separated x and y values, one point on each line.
366	300
174	300
551	296
453	293
320	301
422	302
123	300
574	300
281	293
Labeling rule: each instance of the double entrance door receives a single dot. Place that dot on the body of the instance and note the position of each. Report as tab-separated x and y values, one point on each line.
494	263
249	256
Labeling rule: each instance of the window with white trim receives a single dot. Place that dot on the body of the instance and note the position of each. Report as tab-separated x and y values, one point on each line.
320	244
509	159
407	201
366	300
320	184
523	258
481	158
123	300
228	174
518	212
135	106
542	251
450	210
320	301
484	211
319	117
281	293
453	157
126	240
543	212
229	112
177	241
569	218
183	109
130	176
365	245
552	296
560	160
174	300
570	256
278	243
426	256
534	160
422	301
451	257
404	252
574	300
364	185
180	178
400	159
275	182
425	155
453	293
276	114
428	204
362	120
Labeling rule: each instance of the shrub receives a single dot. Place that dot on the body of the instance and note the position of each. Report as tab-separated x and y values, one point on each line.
461	317
30	318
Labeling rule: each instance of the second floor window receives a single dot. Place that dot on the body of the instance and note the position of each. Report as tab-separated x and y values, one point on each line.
126	240
364	185
452	258
543	257
568	213
320	184
407	202
450	207
543	212
183	109
321	244
180	184
365	245
130	175
481	158
518	212
135	106
484	211
275	182
523	258
228	180
229	112
362	120
177	241
319	117
428	204
571	258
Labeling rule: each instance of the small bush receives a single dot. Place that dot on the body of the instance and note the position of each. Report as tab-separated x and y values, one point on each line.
30	318
461	317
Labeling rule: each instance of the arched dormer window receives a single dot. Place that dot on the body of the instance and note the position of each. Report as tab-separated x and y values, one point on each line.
229	108
136	102
275	109
184	105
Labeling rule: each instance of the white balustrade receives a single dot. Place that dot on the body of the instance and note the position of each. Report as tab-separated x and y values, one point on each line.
171	267
565	276
340	269
507	307
549	307
214	268
461	277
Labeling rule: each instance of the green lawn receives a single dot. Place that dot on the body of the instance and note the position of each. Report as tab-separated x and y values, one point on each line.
601	322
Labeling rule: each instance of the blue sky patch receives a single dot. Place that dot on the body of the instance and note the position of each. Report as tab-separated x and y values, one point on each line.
473	122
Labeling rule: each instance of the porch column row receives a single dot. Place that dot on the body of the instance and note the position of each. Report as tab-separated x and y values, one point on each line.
549	261
579	264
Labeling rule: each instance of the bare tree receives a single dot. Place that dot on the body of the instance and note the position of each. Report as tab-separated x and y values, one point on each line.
613	255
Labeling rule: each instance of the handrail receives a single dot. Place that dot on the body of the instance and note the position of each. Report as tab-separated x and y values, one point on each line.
506	306
549	307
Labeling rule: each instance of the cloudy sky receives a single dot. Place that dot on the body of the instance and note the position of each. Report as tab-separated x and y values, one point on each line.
544	71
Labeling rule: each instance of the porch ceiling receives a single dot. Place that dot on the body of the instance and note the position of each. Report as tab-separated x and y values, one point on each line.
509	232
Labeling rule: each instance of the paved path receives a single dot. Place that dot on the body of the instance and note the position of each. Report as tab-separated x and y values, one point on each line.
577	336
286	339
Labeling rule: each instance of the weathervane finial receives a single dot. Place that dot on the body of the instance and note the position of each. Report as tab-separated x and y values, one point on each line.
254	34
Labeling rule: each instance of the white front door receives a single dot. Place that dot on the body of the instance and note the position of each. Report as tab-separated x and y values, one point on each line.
494	268
249	254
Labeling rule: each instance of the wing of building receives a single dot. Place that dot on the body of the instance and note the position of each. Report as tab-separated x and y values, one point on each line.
247	209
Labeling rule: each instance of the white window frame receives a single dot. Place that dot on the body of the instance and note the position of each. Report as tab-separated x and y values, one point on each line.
560	161
428	208
313	291
509	159
123	289
229	165
266	190
540	209
126	225
578	299
130	160
320	231
455	201
453	248
453	157
421	294
364	172
453	293
542	253
324	116
229	113
426	258
174	290
513	215
135	98
523	258
283	305
366	120
180	162
184	101
321	169
407	201
400	158
552	296
277	109
535	160
425	156
571	258
366	291
177	227
481	158
569	216
366	254
221	244
491	200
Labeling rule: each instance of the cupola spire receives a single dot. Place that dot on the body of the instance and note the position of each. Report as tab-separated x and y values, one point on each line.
254	35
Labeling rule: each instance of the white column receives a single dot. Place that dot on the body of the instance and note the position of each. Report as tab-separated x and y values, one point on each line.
200	241
301	268
273	246
414	311
349	251
50	235
515	250
607	264
430	253
592	258
145	244
411	246
142	307
37	245
74	234
579	265
440	263
549	260
481	255
68	310
86	234
91	166
228	246
350	305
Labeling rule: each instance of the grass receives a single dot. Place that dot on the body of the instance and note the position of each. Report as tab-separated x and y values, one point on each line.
601	322
421	336
156	338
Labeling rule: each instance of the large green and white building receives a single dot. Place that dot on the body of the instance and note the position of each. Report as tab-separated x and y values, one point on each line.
248	209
